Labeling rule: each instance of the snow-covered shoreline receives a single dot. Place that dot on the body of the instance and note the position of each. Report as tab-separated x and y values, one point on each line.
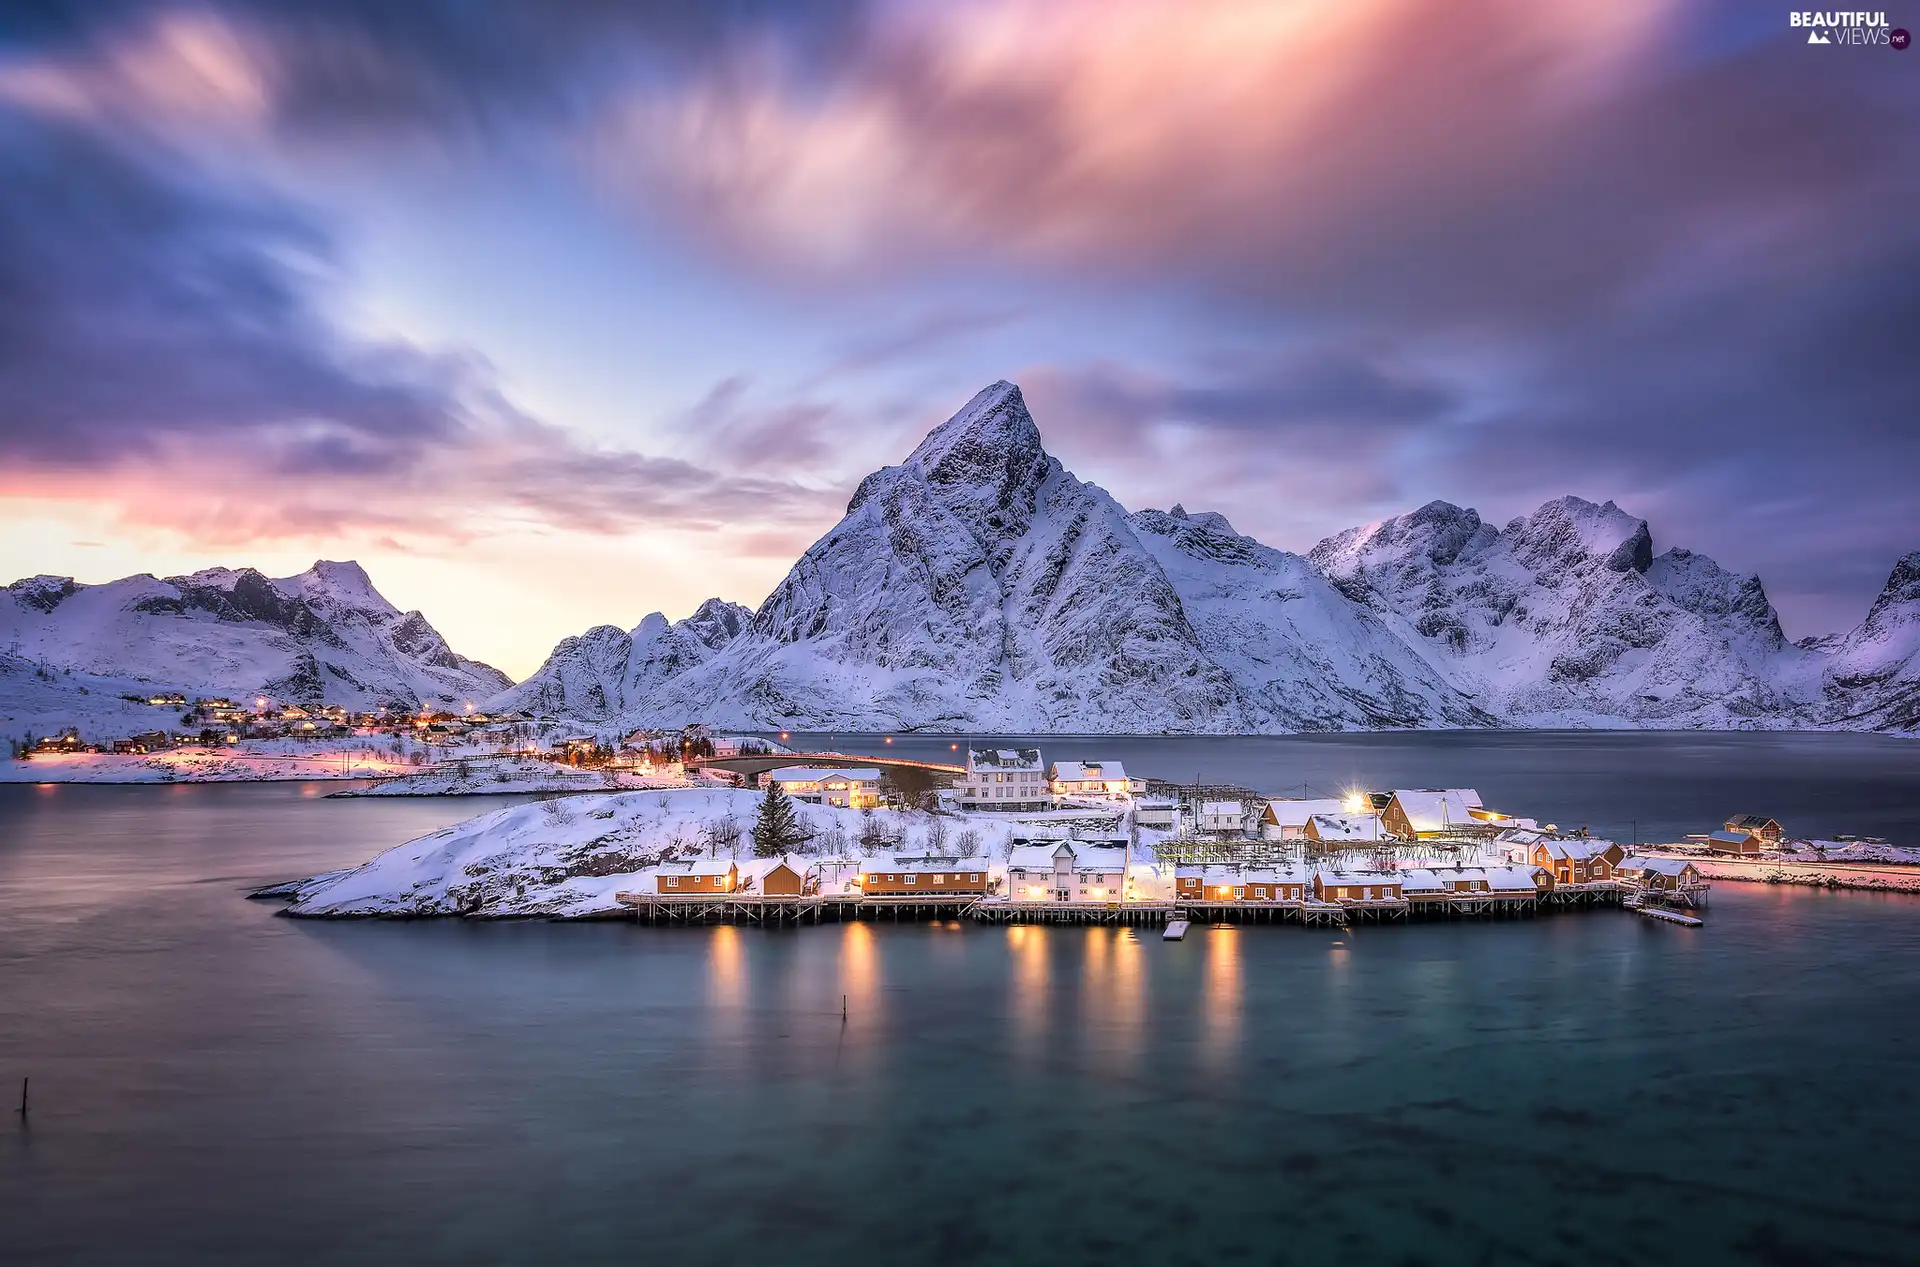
508	776
205	765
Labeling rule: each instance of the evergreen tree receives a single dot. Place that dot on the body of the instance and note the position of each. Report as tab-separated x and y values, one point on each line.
777	831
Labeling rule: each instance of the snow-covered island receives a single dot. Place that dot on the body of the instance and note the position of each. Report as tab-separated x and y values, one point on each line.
567	858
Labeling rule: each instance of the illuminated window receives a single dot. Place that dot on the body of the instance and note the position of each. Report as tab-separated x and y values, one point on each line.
673	881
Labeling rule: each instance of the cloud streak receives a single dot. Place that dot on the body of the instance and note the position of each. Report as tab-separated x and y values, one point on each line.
163	348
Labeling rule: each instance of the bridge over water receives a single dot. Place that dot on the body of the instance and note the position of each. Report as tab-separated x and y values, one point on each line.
757	764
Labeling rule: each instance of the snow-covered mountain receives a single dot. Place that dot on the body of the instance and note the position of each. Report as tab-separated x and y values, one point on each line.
324	635
979	586
607	672
1566	617
1301	656
1872	677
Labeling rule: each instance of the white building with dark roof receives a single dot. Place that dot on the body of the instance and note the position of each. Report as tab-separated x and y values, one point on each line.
1004	780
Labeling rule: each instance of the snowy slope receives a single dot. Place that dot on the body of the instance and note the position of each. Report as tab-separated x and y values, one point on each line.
324	635
1303	657
607	672
568	857
977	585
1566	617
1872	678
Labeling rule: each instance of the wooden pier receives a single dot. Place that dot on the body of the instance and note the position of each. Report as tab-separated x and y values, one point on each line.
836	908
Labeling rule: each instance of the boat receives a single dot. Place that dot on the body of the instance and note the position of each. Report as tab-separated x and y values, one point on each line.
1176	930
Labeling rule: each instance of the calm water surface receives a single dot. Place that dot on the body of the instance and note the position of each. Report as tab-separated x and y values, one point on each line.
213	1084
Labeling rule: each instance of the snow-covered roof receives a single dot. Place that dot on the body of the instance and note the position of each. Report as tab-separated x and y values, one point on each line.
1659	866
1750	822
1088	772
760	868
900	865
1576	848
1421	880
1003	759
1221	807
808	774
1346	826
1292	873
698	866
1036	857
1326	876
1512	879
1730	837
1435	809
1292	812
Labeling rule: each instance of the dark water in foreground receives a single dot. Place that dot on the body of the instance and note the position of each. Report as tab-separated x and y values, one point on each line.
217	1085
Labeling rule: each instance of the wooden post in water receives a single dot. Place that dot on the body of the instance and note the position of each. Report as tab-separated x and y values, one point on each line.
23	1096
843	1010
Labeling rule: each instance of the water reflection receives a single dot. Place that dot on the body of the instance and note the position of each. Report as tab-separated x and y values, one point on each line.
1113	998
1223	992
1027	949
860	971
726	971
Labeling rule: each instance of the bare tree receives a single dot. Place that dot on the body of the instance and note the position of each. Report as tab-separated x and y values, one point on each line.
937	835
968	842
873	836
723	837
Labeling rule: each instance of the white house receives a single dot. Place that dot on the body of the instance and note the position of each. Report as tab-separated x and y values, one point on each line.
857	788
1286	819
1103	780
1006	780
1159	812
1063	871
1223	817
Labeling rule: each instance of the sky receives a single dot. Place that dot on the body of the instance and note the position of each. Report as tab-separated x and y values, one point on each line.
555	314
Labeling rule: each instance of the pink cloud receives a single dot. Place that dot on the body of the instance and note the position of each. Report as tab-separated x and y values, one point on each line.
1101	132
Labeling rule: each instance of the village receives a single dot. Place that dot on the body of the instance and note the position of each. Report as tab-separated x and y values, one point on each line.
1088	842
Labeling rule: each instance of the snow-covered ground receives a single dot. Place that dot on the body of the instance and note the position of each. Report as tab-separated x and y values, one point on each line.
568	857
257	761
494	776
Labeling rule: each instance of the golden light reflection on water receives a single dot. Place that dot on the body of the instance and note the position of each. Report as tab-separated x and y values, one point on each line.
1028	948
727	971
1223	992
860	970
1113	997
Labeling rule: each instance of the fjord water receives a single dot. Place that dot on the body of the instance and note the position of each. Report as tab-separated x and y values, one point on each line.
214	1084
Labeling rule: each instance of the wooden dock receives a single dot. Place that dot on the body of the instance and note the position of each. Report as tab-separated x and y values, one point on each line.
835	908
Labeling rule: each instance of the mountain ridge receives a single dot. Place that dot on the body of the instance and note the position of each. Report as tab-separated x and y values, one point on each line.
978	585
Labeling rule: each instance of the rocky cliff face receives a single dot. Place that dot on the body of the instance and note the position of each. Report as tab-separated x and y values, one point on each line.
324	635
